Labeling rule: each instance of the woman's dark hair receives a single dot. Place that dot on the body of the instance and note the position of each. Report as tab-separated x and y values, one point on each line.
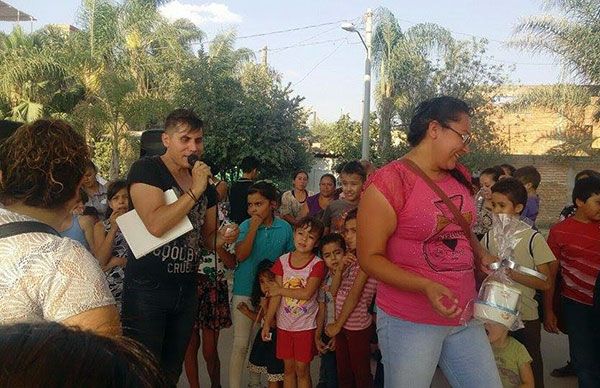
266	189
53	355
496	172
264	267
42	164
113	188
514	190
298	172
332	238
185	117
442	109
330	176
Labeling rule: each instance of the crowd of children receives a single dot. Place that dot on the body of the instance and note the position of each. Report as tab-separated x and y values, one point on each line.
300	287
569	260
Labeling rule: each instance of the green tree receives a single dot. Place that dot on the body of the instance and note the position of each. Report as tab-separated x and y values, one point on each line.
343	137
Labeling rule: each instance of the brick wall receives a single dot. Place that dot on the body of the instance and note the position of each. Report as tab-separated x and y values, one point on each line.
558	176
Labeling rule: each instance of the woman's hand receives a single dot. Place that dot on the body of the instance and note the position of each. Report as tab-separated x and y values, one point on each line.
442	300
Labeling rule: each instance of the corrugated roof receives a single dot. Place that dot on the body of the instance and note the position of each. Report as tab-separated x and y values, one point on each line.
8	13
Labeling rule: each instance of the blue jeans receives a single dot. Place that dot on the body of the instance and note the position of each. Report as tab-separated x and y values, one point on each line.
411	352
583	342
161	317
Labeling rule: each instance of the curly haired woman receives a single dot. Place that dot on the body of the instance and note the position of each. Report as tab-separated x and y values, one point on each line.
46	277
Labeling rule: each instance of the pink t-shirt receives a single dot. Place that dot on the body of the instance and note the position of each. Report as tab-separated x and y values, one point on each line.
296	314
360	318
427	241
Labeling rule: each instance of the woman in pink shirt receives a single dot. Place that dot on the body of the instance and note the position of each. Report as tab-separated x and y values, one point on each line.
410	242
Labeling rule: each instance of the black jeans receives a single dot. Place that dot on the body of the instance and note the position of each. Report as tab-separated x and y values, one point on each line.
583	342
160	317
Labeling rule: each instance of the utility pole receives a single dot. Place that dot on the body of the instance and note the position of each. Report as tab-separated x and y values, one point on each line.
366	115
264	56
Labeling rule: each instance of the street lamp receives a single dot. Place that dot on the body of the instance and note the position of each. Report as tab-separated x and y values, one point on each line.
366	114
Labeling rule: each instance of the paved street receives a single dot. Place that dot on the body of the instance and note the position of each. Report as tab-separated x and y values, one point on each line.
554	350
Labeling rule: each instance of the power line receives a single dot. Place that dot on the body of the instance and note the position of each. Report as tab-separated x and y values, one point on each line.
279	49
319	63
290	30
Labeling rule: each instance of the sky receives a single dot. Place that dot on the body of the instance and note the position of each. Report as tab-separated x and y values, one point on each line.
326	63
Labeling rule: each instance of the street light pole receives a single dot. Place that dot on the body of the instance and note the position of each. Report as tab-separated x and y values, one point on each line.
366	115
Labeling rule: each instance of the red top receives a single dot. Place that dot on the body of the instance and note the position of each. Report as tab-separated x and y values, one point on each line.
576	246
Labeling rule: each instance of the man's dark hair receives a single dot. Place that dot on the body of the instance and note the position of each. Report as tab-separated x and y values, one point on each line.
182	117
354	167
585	188
249	163
514	190
528	174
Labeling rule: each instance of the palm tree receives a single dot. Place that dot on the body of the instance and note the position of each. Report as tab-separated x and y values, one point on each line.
402	66
573	36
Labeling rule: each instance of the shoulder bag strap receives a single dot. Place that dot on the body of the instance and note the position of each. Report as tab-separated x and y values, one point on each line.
458	217
20	227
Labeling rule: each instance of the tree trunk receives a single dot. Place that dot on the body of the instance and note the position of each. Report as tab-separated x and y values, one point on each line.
385	125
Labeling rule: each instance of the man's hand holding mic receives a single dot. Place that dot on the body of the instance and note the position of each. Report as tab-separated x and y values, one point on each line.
200	175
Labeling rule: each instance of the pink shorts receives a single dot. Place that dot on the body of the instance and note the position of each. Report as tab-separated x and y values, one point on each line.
296	345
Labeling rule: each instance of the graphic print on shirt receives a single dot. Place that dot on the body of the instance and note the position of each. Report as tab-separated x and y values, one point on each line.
295	307
185	259
446	249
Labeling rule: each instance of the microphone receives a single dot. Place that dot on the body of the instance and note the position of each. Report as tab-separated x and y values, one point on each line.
192	159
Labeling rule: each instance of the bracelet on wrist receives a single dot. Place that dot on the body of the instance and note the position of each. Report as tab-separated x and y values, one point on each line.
191	194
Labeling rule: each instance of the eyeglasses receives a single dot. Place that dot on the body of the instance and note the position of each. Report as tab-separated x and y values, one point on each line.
466	137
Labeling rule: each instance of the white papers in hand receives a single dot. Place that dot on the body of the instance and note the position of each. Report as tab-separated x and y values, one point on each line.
140	240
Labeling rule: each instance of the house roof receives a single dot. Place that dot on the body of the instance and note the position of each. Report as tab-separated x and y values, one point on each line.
8	13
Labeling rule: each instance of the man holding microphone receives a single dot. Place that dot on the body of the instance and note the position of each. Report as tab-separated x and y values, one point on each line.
159	301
